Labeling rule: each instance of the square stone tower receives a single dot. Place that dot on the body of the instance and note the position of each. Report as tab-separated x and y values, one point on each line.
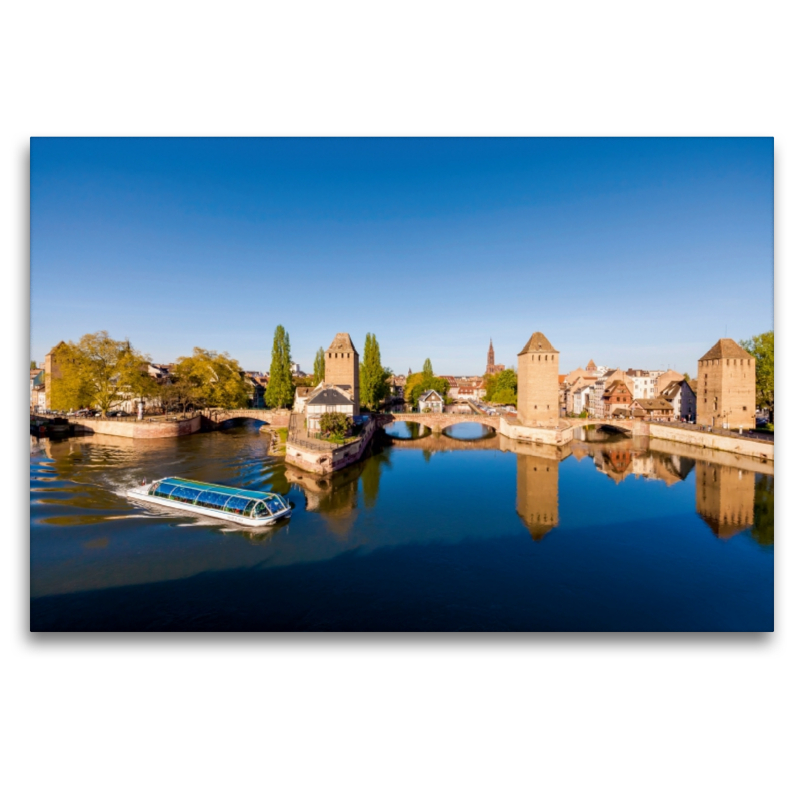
537	382
341	366
726	386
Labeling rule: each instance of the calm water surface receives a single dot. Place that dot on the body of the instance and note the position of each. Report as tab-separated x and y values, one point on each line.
467	531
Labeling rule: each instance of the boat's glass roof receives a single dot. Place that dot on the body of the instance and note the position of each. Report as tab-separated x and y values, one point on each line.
189	490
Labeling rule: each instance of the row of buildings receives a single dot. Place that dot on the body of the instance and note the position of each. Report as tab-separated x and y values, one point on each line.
602	392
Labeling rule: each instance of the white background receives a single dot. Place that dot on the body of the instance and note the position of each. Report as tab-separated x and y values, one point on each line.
389	716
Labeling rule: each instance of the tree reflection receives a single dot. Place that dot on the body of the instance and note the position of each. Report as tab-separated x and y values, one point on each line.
763	530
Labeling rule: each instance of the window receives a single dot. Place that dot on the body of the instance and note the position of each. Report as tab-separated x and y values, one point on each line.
744	408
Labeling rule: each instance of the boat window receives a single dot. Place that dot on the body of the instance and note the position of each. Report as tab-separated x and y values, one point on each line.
260	510
154	488
185	494
249	508
275	505
237	505
212	500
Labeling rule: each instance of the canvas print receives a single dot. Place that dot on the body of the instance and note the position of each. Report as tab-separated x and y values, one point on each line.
401	384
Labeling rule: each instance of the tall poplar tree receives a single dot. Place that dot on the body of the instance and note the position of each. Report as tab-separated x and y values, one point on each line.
319	367
280	389
427	368
372	375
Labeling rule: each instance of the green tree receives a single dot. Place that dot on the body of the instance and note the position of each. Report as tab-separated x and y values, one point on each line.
502	387
280	389
427	368
319	367
686	377
372	375
33	365
418	383
334	423
211	380
762	348
100	372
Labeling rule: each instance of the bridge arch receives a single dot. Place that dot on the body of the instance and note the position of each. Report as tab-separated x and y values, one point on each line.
438	422
620	425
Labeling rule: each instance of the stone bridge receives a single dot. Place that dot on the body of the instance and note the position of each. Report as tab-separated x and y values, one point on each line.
277	419
439	442
439	422
632	426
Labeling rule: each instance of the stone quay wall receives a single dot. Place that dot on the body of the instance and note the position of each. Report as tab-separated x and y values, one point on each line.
555	435
323	462
133	429
755	448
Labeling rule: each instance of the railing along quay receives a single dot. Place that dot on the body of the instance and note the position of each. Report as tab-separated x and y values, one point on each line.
78	418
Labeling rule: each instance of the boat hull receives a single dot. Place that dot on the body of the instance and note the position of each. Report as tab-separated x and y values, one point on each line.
248	522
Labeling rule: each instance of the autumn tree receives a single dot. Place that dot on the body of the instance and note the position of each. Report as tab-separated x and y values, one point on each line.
762	348
99	372
280	389
319	367
211	380
373	376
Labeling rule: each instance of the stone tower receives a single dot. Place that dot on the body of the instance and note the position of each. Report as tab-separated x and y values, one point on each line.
726	386
341	366
537	382
724	498
537	494
490	359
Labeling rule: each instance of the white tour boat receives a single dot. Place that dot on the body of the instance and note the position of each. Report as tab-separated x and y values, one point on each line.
242	506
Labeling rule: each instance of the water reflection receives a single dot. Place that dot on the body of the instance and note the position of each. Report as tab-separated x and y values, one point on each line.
401	529
469	431
537	494
725	498
406	430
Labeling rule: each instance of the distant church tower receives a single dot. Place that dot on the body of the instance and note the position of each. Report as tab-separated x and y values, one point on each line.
726	386
341	365
537	382
491	367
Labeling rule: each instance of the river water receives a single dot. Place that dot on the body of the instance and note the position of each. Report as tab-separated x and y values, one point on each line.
430	532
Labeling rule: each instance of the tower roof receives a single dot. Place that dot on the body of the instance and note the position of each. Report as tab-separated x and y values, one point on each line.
342	343
591	366
537	344
725	348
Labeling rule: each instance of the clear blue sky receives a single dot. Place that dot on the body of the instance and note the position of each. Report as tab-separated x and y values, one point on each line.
634	252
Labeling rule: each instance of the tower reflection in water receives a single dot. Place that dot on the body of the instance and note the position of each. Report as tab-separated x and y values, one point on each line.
729	499
537	493
725	498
